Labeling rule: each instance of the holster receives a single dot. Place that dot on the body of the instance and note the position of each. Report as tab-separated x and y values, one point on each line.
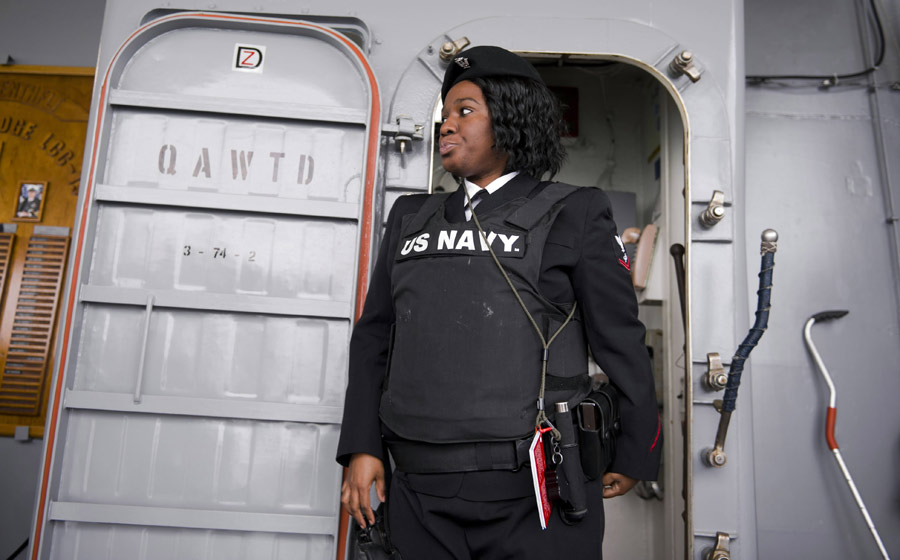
598	424
572	493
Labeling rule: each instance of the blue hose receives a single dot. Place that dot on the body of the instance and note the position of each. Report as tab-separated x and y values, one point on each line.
764	295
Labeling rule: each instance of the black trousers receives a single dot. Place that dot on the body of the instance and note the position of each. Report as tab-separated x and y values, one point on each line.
427	527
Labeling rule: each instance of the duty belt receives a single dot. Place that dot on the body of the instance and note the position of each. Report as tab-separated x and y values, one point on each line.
420	457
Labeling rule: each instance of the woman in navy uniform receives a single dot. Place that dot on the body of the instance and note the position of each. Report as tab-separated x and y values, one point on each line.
445	365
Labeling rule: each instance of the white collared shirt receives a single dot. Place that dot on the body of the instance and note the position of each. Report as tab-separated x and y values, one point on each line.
491	188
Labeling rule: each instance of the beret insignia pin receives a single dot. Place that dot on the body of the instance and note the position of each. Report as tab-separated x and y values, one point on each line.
461	61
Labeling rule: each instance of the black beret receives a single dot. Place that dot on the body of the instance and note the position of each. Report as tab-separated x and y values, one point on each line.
486	61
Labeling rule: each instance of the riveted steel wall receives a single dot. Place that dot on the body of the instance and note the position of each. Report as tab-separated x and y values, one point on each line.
222	235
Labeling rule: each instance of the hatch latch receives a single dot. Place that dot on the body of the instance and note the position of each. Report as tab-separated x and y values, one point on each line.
452	48
404	130
683	63
716	377
714	211
721	550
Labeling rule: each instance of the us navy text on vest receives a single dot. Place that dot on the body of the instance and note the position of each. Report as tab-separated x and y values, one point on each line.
461	239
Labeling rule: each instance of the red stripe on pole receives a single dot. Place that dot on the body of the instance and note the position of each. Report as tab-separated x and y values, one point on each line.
829	428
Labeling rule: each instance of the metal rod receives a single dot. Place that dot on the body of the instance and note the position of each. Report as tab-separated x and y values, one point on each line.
862	506
677	251
831	419
140	372
722	431
716	455
764	295
807	336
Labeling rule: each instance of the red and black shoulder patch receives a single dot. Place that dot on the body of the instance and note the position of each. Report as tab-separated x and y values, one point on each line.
623	255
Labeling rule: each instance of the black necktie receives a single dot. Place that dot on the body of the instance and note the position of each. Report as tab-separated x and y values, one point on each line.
476	200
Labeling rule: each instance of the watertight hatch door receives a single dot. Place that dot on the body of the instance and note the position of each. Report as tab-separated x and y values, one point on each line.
224	226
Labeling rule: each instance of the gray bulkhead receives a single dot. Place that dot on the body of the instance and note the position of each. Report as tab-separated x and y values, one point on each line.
822	169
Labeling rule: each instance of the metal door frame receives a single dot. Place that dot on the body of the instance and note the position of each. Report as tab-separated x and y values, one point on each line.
653	53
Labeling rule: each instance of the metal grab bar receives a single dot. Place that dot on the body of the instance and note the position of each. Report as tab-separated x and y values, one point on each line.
716	456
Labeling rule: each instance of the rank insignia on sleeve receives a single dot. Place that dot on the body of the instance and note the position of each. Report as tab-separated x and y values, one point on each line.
623	255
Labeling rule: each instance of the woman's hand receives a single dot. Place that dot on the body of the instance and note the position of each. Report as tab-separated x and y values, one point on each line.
615	484
363	471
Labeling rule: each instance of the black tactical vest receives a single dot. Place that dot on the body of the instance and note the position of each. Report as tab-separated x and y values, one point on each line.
465	363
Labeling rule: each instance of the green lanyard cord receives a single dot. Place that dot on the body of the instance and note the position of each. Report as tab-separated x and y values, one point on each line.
541	418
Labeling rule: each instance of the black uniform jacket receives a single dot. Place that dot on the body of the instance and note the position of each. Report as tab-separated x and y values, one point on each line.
580	263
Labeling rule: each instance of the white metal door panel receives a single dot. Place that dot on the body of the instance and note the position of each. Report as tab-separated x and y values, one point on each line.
222	240
244	358
97	541
169	461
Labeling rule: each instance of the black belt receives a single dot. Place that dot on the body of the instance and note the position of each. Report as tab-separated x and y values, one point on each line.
420	457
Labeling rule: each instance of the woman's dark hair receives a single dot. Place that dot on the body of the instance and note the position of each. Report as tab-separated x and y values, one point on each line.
527	121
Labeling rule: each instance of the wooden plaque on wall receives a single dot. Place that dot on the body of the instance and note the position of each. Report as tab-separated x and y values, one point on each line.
43	123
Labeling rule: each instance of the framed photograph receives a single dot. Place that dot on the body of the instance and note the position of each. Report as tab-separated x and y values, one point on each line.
30	202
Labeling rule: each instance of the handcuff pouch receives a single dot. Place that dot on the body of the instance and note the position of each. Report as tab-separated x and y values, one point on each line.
598	424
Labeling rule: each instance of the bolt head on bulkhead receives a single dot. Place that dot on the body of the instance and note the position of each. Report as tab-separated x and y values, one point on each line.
715	457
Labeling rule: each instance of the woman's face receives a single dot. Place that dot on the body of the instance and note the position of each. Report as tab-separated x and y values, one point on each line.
467	140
